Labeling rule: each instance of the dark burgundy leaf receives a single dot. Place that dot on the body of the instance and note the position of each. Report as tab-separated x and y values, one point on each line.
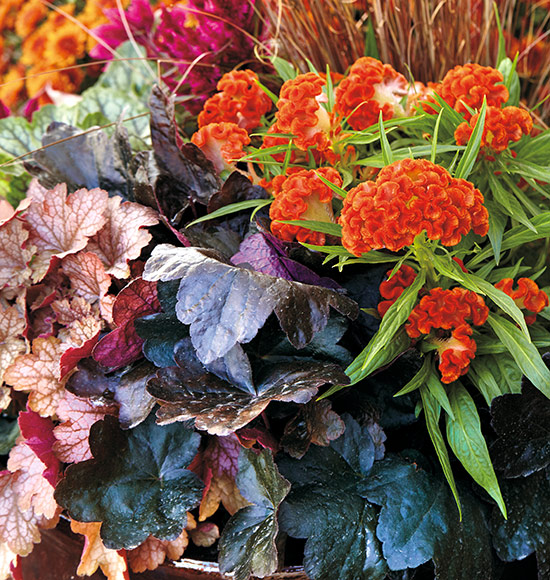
236	188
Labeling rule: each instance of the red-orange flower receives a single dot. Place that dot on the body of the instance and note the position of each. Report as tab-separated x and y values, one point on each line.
393	288
301	113
408	197
467	85
302	195
369	88
445	315
240	101
446	309
527	295
222	143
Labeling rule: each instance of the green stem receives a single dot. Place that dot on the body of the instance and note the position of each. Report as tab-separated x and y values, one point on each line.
423	254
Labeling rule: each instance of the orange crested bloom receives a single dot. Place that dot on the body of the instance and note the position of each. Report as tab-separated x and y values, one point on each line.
501	127
393	288
301	113
302	195
240	101
446	309
468	84
408	197
528	296
449	310
455	353
369	88
222	143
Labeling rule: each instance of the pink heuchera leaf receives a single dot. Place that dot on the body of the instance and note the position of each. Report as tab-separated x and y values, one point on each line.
61	224
122	237
152	553
123	345
18	529
38	373
12	343
83	336
95	554
77	415
7	560
87	275
15	254
68	310
38	434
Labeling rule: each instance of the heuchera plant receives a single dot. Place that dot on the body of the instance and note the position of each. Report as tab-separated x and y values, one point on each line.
274	328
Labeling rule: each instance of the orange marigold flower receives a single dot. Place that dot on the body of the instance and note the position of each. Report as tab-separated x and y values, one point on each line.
302	195
408	197
446	309
501	127
66	81
65	45
527	295
12	89
467	85
393	288
301	113
28	17
369	88
222	143
240	101
455	353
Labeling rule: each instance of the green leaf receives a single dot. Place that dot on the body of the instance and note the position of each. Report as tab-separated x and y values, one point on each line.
471	152
481	375
387	154
371	46
432	410
435	135
511	79
468	444
497	225
535	150
323	227
137	484
404	153
438	392
324	508
523	351
337	190
508	202
501	53
232	208
284	68
247	545
529	169
419	378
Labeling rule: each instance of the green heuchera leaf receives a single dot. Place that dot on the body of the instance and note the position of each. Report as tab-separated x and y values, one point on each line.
325	507
419	521
247	545
137	483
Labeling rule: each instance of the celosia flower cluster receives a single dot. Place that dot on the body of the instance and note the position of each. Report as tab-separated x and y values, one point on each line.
445	315
370	87
222	143
527	296
407	198
302	195
393	287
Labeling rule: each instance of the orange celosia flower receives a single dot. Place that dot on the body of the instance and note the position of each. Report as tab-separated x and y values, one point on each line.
527	295
29	16
446	309
301	113
501	127
455	353
239	101
408	197
369	88
449	310
393	288
302	195
468	84
222	143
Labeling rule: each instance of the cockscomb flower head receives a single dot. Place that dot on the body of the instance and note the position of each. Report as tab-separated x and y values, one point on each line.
501	127
222	143
392	288
408	197
468	84
527	295
301	113
446	309
370	87
302	195
455	353
240	100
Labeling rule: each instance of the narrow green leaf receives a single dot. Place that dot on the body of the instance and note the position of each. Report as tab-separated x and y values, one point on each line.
497	226
419	379
315	226
529	169
523	351
284	68
501	53
371	46
338	190
508	203
438	392
330	89
387	154
435	135
274	98
232	208
403	153
432	411
455	117
481	376
471	152
468	444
